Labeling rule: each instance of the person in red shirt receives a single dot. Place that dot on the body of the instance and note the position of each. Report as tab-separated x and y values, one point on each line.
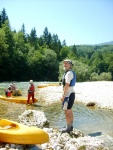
8	92
31	90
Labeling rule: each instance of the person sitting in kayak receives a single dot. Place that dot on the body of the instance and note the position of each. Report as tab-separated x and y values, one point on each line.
13	86
15	91
8	92
31	90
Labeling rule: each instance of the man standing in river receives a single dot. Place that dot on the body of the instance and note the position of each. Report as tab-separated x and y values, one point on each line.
68	97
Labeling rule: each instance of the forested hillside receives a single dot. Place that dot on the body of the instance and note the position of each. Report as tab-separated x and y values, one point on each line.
26	56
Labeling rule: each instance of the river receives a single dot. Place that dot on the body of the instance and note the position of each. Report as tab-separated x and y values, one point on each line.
87	119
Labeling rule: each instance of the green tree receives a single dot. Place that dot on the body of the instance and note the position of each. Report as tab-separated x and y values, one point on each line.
105	76
35	62
8	48
32	38
47	39
110	69
94	76
3	17
55	44
40	41
0	21
24	32
64	43
4	55
74	50
51	65
64	52
20	44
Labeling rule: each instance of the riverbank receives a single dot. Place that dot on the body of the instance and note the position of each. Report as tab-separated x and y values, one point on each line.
59	141
99	93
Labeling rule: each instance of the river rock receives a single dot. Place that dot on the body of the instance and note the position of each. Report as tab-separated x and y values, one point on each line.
34	118
67	141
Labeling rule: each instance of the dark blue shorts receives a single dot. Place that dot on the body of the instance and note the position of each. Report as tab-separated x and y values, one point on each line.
70	100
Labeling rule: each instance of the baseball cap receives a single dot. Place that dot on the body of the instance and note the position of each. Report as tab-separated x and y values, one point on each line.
31	81
68	61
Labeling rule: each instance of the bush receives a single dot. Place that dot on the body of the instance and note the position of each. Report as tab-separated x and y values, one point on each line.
106	76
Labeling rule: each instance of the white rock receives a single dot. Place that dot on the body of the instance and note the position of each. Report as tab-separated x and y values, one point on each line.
48	130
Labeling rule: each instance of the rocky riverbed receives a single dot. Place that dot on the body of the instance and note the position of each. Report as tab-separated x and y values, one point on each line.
98	93
74	140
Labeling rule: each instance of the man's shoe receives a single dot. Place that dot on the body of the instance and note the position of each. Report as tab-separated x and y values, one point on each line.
67	129
71	128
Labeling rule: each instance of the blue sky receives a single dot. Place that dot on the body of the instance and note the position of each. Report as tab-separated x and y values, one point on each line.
76	21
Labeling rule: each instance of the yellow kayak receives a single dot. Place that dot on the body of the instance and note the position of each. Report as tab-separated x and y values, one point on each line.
17	133
17	99
42	86
53	84
46	85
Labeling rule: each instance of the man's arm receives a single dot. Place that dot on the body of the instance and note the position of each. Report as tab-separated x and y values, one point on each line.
66	88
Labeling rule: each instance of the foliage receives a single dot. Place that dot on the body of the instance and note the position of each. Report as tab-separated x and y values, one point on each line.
24	56
94	76
105	76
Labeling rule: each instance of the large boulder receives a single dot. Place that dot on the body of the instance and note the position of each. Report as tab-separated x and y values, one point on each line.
34	118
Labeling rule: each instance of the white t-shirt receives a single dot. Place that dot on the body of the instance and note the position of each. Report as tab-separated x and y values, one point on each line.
68	77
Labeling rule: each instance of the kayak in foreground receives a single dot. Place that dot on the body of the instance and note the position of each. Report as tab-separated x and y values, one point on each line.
17	133
17	99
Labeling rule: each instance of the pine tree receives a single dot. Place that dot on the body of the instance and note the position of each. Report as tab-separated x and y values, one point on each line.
3	17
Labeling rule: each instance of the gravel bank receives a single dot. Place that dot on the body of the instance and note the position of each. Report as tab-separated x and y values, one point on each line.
100	93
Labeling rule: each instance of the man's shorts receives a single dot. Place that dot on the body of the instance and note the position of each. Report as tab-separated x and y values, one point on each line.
69	100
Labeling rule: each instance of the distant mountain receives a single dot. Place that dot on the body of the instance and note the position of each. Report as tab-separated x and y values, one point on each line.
106	43
100	44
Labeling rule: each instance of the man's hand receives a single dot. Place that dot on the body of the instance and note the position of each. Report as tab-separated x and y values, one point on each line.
62	98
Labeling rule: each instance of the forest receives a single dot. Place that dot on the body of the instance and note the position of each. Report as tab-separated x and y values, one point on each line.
28	56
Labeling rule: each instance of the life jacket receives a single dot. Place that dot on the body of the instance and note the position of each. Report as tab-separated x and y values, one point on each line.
8	93
32	88
73	81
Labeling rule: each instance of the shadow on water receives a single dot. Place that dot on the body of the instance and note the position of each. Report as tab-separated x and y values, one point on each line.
36	105
95	134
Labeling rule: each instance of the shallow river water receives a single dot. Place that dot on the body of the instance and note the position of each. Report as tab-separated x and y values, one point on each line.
87	119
